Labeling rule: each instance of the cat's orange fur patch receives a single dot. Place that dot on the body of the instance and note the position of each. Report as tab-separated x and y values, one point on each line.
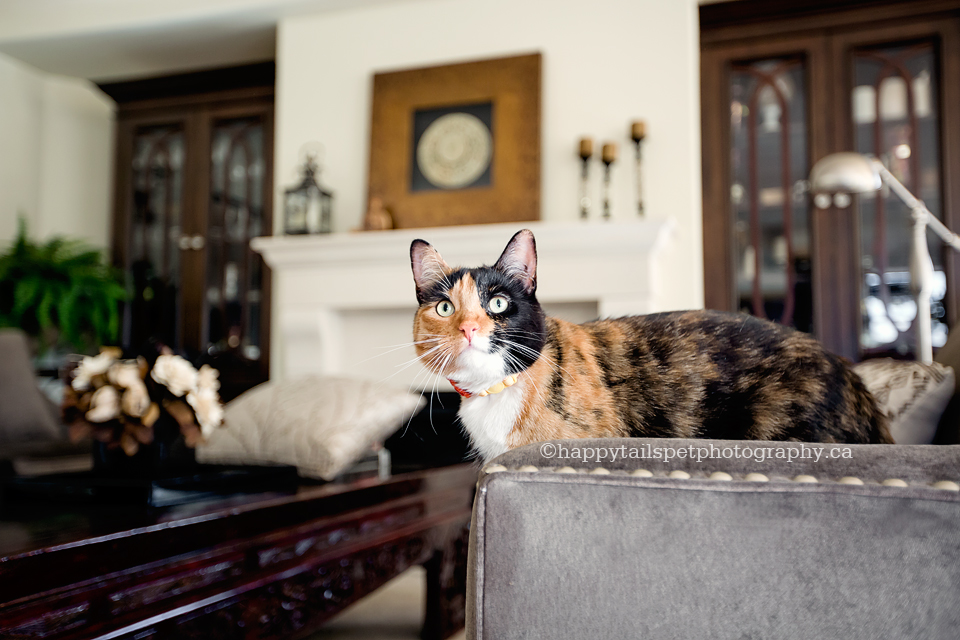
583	394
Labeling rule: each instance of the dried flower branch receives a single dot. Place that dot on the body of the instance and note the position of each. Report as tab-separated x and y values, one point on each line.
119	402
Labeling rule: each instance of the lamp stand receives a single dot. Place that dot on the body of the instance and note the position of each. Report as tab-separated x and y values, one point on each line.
921	264
921	281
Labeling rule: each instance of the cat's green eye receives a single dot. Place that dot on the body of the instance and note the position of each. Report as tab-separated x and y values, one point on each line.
497	304
445	308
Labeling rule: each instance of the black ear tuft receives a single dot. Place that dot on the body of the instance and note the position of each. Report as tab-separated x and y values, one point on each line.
519	260
428	267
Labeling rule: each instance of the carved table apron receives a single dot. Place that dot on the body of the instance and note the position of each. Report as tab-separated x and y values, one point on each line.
256	566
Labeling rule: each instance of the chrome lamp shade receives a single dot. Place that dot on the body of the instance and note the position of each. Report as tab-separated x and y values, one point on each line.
845	172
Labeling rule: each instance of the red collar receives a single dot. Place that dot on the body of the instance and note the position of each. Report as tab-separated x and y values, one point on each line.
462	392
509	381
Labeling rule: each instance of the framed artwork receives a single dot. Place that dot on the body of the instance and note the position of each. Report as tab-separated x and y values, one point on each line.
458	144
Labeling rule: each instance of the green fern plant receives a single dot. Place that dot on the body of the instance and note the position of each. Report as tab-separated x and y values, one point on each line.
61	292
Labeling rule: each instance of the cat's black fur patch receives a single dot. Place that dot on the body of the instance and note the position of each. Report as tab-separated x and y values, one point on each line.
523	322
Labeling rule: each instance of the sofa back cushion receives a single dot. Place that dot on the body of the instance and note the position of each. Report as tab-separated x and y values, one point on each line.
26	416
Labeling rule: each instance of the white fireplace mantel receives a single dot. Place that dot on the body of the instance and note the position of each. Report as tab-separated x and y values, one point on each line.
340	301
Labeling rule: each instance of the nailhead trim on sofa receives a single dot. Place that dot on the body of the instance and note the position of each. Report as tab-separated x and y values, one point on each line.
722	476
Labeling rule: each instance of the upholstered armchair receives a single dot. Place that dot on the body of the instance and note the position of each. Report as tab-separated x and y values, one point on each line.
609	539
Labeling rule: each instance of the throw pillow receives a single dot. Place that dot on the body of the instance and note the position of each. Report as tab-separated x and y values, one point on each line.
948	432
26	416
319	424
912	394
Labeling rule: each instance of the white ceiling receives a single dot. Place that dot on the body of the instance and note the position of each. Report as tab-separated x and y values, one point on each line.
123	39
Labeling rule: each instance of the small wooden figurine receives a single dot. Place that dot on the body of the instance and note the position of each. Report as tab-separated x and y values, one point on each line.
377	218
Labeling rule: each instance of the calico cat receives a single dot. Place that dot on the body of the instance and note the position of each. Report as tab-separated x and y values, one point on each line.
527	378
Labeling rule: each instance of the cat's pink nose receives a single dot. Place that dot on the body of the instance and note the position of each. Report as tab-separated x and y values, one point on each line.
469	329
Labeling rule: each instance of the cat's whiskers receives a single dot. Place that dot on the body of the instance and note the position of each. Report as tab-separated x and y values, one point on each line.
410	390
433	268
529	381
398	347
429	337
533	353
513	360
521	347
522	332
446	354
519	333
420	357
526	350
409	363
436	383
526	331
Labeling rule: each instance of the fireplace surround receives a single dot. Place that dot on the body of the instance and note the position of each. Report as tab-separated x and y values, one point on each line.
343	303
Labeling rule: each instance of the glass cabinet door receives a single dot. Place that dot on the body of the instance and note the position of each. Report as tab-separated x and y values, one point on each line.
153	257
797	84
235	274
193	193
895	114
769	162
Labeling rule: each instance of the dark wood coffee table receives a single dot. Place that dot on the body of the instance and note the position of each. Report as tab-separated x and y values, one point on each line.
273	565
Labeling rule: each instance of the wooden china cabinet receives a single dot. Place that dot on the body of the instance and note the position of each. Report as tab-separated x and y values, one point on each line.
784	84
194	166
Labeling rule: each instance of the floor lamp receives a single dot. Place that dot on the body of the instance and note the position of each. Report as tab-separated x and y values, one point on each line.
853	173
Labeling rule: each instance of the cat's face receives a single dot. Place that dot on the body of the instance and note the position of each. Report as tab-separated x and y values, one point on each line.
476	326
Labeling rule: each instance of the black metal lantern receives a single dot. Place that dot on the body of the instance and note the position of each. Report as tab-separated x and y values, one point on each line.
307	206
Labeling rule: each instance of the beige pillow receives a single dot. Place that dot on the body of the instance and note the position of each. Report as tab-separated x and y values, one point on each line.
319	424
912	394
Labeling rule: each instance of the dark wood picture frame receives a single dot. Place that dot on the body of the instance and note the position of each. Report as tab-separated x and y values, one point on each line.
512	85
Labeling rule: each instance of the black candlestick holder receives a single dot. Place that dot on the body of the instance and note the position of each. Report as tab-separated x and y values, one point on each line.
637	134
586	152
608	157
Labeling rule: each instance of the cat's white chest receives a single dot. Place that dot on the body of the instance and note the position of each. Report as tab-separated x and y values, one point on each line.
490	420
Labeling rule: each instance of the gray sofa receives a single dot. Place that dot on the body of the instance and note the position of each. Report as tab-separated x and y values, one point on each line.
866	545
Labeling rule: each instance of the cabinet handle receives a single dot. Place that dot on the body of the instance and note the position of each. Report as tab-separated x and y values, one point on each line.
191	242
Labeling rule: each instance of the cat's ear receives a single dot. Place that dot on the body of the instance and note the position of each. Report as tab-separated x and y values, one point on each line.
428	267
519	260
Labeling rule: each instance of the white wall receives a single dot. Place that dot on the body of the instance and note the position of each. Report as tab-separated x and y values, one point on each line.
605	63
125	39
21	105
28	19
77	151
56	154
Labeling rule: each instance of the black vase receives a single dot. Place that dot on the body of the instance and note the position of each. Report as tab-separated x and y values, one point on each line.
168	455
